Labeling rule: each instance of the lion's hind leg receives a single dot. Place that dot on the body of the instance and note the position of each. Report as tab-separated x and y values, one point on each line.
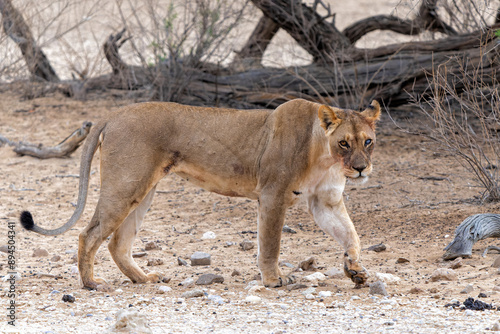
121	242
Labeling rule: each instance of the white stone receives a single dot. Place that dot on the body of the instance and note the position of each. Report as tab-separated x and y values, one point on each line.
208	235
164	288
253	299
317	276
335	272
130	320
388	279
188	282
257	288
309	296
325	294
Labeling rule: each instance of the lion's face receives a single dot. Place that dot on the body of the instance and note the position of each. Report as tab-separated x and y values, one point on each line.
351	138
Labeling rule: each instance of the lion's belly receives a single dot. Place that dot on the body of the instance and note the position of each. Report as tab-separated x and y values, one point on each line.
227	185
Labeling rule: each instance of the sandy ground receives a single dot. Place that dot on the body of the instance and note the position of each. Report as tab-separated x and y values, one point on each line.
413	216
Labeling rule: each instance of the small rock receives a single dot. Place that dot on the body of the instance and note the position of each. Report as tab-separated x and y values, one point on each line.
496	326
443	274
207	279
257	288
55	258
482	295
154	262
469	313
73	270
496	263
166	279
286	264
253	299
68	299
288	229
309	296
4	248
468	289
402	260
455	264
201	259
162	289
74	259
309	291
415	290
251	284
317	276
216	299
151	246
188	282
235	273
377	248
388	279
325	294
335	272
40	252
496	288
208	235
355	297
130	320
247	245
181	262
193	294
308	265
139	254
295	286
378	288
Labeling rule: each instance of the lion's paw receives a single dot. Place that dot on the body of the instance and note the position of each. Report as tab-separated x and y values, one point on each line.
154	277
280	281
356	273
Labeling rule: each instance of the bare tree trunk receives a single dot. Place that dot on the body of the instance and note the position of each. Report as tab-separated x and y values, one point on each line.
253	50
17	29
318	37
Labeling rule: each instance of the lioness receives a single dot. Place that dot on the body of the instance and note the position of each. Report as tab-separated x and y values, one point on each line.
300	149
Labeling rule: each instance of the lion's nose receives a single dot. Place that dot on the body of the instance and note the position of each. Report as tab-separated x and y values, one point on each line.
360	169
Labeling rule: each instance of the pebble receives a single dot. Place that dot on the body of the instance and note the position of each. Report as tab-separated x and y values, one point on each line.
317	276
68	299
496	263
247	245
216	299
154	262
402	260
188	282
201	259
130	320
55	258
257	288
235	273
295	286
309	296
416	290
335	272
377	248
181	262
455	264
325	294
193	294
40	252
468	289
207	279
162	289
54	292
378	288
208	235
308	264
388	279
496	326
355	297
309	291
73	270
151	246
288	229
469	313
253	299
443	274
4	248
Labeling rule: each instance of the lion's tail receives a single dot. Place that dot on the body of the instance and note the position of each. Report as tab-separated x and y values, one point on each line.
89	148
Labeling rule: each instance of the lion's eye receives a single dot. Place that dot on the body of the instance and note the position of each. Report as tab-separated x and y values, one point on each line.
343	144
368	142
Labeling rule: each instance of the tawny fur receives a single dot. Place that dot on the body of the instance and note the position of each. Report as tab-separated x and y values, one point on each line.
300	149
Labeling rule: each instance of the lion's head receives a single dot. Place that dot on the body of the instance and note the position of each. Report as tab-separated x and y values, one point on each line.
351	137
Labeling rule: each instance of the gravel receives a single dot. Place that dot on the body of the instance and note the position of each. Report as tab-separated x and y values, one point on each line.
237	312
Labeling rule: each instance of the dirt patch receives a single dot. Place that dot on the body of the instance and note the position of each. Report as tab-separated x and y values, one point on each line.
414	200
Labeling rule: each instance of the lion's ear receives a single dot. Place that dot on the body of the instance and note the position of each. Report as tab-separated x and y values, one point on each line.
328	118
372	113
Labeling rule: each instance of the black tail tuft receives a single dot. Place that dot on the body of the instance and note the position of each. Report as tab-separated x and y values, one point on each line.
27	220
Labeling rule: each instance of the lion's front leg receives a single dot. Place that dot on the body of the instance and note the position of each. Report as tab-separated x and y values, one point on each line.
271	216
331	215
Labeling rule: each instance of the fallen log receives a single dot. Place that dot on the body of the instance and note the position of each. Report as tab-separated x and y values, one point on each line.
470	231
61	150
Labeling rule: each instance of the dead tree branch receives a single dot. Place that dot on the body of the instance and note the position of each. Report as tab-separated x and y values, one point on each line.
254	49
61	150
17	29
